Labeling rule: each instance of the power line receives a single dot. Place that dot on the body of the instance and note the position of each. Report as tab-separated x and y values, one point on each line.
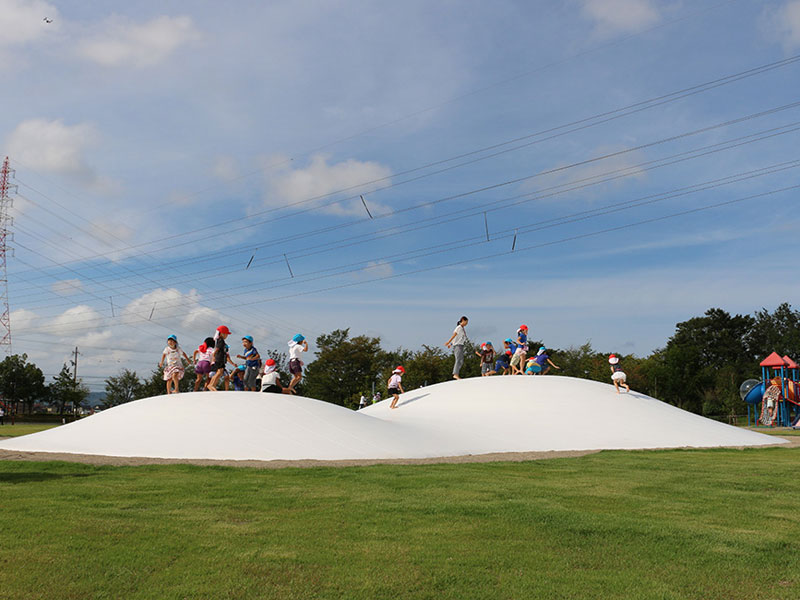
478	240
504	203
577	125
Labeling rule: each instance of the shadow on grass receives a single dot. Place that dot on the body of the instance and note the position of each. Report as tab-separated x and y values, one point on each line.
31	477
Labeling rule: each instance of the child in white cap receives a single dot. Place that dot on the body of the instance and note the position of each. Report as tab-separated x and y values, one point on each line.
395	385
617	374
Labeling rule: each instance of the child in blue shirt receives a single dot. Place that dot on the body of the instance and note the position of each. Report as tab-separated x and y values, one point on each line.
540	365
504	358
236	378
518	360
252	364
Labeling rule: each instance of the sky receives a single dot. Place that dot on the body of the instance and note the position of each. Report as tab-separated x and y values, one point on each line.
599	170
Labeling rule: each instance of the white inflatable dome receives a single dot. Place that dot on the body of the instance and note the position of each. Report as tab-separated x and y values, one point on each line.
456	418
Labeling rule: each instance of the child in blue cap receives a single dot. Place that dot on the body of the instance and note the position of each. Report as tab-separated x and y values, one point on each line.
236	378
252	364
503	362
297	345
173	365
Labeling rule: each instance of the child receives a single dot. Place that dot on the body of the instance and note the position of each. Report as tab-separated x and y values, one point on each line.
543	362
487	358
236	378
503	362
220	357
173	365
270	380
518	361
252	361
395	385
617	374
297	345
362	403
202	367
511	350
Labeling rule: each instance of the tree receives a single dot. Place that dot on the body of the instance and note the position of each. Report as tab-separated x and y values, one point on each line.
583	362
65	391
427	366
123	388
691	362
775	332
155	385
21	381
344	368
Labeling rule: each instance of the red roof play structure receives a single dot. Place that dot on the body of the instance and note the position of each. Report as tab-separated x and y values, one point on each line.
790	363
774	361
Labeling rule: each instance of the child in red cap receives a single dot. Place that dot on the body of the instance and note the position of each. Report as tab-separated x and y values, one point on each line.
270	380
395	385
221	357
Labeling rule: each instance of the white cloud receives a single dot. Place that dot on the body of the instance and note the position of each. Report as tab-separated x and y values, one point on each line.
54	147
23	320
22	21
320	178
67	287
202	317
95	338
225	168
125	43
170	303
782	24
75	319
161	303
621	16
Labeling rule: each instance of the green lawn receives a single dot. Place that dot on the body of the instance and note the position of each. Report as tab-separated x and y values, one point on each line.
779	431
9	430
672	524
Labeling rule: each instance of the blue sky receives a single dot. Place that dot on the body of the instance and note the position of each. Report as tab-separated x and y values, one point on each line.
159	147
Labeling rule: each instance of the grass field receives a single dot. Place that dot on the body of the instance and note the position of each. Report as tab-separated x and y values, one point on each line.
23	429
670	524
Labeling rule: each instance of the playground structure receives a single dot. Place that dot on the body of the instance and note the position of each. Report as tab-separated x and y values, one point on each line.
778	393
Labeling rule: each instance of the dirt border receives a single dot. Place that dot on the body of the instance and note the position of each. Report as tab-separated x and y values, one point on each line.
126	461
131	461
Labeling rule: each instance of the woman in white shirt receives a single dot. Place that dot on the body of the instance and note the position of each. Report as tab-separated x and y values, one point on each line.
457	341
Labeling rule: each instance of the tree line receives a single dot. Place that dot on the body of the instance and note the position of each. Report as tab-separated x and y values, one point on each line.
699	369
22	385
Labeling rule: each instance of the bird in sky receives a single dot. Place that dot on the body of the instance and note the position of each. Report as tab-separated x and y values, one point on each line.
47	20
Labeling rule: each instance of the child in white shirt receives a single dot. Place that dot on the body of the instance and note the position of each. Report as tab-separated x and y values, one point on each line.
395	385
173	365
297	345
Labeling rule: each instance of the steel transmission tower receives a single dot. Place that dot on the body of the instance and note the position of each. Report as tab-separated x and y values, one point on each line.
6	202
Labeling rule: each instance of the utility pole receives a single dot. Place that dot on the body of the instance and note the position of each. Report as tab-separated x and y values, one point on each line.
74	381
75	364
6	202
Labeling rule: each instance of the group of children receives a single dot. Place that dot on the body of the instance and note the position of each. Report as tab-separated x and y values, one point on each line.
513	360
212	357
